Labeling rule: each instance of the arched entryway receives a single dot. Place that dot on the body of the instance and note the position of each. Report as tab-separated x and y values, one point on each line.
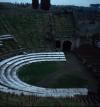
95	39
67	46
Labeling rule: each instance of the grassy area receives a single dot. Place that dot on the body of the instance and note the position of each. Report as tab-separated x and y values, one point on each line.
31	28
26	28
50	74
35	72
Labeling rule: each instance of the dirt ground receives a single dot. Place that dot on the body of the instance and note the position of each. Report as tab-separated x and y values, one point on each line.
69	74
71	67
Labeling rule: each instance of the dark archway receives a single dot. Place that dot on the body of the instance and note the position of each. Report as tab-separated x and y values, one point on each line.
95	38
67	46
58	44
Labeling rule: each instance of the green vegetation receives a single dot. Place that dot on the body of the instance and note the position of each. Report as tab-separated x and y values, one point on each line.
35	72
32	28
26	28
50	74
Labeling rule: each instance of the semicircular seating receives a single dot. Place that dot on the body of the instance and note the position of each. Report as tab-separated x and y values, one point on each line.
11	83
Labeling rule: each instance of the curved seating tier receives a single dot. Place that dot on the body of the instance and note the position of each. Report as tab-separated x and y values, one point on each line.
12	84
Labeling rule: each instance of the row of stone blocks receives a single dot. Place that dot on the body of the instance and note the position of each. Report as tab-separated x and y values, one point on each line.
12	84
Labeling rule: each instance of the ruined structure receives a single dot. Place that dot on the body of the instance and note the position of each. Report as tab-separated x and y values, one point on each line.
83	28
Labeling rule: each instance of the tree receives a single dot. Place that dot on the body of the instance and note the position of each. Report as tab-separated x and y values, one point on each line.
45	4
35	4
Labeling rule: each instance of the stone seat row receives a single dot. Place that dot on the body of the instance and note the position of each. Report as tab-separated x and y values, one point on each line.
11	83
